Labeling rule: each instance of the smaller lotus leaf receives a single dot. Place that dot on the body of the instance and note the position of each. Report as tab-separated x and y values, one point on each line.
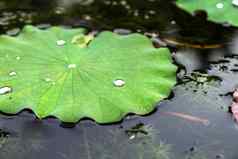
69	75
218	10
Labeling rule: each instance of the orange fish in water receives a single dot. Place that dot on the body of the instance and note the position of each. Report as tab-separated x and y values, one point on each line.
189	117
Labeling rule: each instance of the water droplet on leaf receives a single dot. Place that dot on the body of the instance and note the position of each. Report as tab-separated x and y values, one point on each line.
18	58
119	83
219	5
5	90
47	79
235	3
60	42
72	66
12	74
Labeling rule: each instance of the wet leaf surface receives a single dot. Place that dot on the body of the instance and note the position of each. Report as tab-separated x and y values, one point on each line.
204	94
66	74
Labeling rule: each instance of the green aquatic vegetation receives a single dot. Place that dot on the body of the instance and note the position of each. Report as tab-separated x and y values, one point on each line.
69	75
218	10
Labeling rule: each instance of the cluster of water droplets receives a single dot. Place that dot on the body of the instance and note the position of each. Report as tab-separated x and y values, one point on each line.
7	89
62	43
116	83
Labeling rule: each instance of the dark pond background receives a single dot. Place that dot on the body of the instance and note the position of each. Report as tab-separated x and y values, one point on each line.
205	94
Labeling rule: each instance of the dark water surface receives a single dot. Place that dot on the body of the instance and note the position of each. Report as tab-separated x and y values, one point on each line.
205	94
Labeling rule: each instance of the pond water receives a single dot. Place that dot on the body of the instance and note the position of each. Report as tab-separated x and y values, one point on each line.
193	123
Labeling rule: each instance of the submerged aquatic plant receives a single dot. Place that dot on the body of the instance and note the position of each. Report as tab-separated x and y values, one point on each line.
218	10
64	73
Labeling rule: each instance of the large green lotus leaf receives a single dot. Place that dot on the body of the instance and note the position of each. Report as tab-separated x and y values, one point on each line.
218	10
55	73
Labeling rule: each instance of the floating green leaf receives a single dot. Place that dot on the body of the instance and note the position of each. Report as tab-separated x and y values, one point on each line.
59	72
218	10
